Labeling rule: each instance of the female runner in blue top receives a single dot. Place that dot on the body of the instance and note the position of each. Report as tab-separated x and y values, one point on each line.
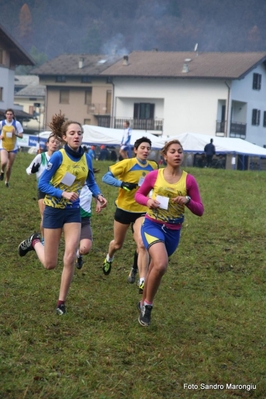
62	181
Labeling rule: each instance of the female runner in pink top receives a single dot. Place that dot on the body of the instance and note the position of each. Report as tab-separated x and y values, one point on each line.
166	192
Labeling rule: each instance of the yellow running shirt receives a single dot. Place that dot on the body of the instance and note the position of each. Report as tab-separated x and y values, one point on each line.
68	170
9	137
131	171
165	189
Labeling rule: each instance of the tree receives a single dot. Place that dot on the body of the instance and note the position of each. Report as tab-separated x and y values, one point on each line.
93	41
25	21
39	59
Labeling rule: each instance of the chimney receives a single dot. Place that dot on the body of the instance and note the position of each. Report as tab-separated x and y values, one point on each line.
125	60
185	68
81	62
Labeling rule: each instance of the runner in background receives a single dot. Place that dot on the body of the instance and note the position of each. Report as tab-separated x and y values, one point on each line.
38	165
11	129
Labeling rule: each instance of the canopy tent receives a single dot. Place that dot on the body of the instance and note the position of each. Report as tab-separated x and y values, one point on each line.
195	143
97	135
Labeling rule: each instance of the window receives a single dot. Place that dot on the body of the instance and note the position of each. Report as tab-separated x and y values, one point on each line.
256	81
143	111
143	116
88	95
264	119
255	117
1	93
104	121
60	78
85	79
64	97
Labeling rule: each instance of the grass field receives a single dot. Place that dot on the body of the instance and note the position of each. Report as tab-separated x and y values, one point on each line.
208	322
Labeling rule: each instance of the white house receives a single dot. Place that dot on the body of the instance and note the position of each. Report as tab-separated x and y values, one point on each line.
11	55
221	94
31	96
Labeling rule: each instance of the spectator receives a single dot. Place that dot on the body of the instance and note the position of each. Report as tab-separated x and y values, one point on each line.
104	155
125	142
91	152
209	150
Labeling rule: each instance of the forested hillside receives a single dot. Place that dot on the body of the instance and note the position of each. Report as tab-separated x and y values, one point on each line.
121	26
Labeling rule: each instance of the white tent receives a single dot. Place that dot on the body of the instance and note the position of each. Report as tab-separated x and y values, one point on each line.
97	135
195	142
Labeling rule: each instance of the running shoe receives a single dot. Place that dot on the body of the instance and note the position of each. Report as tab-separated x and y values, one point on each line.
145	315
79	262
61	309
132	275
26	245
2	176
139	306
141	287
107	266
7	184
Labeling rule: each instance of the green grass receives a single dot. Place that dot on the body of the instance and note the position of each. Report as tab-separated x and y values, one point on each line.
208	322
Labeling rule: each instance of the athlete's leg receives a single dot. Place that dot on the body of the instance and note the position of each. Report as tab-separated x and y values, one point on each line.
4	160
123	153
11	159
120	231
48	253
158	267
41	209
143	256
72	236
85	246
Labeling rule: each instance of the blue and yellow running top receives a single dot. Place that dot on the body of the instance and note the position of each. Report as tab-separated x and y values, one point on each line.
131	171
66	173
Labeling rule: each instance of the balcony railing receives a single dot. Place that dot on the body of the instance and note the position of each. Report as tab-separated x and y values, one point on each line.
140	124
238	130
220	126
98	109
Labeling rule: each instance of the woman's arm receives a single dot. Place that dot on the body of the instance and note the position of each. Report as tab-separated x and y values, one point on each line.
44	182
93	186
36	160
109	178
146	187
195	205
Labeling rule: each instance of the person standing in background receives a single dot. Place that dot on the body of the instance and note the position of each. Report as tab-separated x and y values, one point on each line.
125	142
11	129
209	150
91	152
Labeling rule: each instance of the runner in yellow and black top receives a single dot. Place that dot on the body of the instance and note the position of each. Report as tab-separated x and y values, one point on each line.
62	181
128	175
11	129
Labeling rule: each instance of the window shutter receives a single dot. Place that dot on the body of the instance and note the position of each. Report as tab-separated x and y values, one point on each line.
253	117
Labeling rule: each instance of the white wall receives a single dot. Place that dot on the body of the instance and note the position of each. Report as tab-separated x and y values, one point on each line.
184	104
7	81
256	99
